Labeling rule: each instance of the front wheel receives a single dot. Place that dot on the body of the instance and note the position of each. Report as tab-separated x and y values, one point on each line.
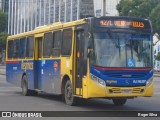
119	101
68	94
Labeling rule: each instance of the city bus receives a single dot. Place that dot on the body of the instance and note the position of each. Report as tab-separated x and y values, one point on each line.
105	57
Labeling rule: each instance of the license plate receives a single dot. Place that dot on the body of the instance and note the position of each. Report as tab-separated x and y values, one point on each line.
126	91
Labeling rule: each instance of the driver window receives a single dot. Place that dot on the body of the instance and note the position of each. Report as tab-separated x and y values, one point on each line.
104	47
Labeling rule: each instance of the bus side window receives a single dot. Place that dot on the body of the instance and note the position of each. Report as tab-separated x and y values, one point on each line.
22	47
67	42
29	47
47	44
16	48
10	49
57	37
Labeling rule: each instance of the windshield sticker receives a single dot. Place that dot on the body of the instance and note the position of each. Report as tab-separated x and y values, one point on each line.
131	62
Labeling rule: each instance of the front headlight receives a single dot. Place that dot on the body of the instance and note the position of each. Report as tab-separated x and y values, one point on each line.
149	81
101	82
98	80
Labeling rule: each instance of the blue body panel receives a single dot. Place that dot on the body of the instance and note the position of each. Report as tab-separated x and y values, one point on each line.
14	73
122	77
48	75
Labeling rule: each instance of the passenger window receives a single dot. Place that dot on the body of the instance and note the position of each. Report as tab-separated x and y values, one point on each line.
16	48
10	49
67	42
29	47
47	44
22	47
56	43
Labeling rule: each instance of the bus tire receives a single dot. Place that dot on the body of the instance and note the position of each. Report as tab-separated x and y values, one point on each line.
119	101
25	90
68	94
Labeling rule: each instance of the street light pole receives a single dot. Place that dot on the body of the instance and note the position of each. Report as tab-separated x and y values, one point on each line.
104	8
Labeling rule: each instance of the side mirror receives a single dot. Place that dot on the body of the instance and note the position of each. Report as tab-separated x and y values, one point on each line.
90	51
157	37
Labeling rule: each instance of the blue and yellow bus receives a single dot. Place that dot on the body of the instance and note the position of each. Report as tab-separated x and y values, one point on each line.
106	57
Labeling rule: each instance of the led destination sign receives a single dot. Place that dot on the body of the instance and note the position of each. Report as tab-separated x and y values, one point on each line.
121	23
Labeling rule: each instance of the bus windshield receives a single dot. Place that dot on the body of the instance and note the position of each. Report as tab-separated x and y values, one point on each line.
117	49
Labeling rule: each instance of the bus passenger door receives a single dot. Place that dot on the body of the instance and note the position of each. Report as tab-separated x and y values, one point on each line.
79	61
37	63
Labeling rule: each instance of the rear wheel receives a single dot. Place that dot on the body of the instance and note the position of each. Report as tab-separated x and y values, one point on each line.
68	94
119	101
25	90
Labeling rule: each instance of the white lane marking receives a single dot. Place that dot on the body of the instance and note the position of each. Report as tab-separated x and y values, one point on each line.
8	94
7	87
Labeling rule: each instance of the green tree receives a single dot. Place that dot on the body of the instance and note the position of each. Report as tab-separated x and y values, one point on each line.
158	56
3	27
155	17
3	21
3	34
148	9
3	38
124	7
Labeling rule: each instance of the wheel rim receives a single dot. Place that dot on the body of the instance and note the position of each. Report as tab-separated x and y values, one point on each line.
24	89
69	92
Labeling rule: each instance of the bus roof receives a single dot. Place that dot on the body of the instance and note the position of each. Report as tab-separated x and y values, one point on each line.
51	27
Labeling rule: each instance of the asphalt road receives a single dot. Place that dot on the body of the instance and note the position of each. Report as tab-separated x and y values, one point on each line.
11	99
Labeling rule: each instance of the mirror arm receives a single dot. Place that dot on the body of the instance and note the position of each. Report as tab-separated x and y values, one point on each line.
155	43
89	52
158	37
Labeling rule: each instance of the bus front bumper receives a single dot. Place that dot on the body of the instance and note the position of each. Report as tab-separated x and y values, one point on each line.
97	91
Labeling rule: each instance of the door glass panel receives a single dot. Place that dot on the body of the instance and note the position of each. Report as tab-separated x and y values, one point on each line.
39	47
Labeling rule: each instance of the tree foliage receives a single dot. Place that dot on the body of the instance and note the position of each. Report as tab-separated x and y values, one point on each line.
3	21
155	17
158	56
3	27
148	9
3	38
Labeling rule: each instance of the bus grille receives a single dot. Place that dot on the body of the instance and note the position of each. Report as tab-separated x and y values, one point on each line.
119	90
137	90
115	90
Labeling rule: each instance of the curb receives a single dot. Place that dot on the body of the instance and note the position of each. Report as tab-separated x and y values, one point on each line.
156	75
2	74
